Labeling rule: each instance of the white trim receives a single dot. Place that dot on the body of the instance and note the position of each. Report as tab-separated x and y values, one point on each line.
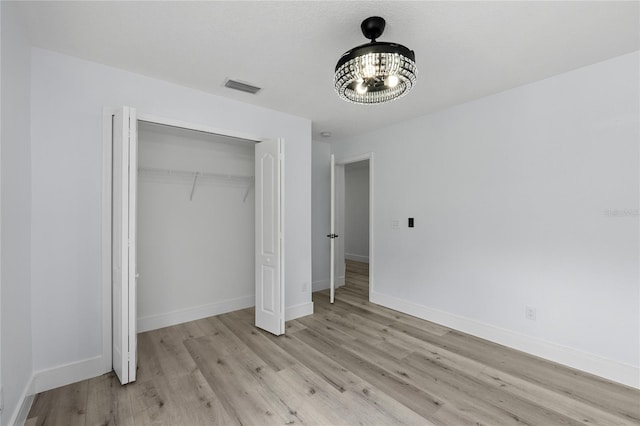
320	285
20	413
609	369
107	160
297	311
154	119
153	322
332	229
281	191
25	407
353	159
371	222
62	375
356	257
325	284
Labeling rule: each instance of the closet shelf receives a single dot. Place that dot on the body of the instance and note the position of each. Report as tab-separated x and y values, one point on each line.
190	175
192	178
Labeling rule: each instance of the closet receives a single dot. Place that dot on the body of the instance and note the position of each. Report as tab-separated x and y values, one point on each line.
195	225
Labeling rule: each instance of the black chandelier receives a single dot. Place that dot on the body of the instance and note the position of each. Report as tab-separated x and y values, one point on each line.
376	72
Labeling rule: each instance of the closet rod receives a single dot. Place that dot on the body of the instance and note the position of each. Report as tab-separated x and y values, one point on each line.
193	188
246	193
189	174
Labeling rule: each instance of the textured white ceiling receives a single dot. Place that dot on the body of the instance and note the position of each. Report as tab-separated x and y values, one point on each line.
464	50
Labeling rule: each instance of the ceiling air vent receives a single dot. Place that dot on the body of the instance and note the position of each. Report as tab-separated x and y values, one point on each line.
243	87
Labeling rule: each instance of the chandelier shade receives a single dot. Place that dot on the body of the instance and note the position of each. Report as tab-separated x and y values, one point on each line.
376	72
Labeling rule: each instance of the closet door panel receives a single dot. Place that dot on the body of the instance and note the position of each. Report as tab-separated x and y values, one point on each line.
123	245
269	237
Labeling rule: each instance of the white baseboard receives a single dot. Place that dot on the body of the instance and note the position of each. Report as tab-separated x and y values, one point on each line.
20	413
324	284
25	407
609	369
320	285
153	322
297	311
356	257
51	378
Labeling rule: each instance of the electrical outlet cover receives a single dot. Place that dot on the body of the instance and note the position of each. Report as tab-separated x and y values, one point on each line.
530	313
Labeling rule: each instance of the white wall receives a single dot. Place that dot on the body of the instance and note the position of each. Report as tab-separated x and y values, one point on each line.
68	95
196	256
525	198
15	202
320	213
356	211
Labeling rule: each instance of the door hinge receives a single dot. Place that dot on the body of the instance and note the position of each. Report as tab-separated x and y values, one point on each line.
332	236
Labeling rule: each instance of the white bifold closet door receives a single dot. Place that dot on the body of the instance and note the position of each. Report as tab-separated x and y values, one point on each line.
123	232
269	156
269	241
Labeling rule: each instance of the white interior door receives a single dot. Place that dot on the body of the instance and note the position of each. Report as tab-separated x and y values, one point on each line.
338	208
332	232
269	158
125	148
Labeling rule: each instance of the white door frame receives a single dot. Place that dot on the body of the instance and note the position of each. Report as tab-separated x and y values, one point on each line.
341	161
332	233
107	165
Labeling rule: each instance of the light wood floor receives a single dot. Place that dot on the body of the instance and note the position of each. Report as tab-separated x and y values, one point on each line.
350	363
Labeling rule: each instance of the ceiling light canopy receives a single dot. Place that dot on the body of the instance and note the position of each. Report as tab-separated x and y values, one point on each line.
375	72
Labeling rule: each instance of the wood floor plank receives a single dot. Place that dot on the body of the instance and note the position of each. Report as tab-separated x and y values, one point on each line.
166	354
107	404
455	397
361	307
469	388
564	405
64	406
312	395
563	380
359	405
331	372
352	362
359	328
421	402
41	408
293	326
257	342
248	389
149	402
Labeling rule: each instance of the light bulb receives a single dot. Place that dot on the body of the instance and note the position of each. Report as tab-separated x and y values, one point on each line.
361	88
369	70
392	81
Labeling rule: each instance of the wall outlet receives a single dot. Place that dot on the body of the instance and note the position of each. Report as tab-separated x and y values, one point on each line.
530	313
305	287
395	223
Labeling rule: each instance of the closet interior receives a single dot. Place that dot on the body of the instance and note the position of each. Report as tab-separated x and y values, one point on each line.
195	225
